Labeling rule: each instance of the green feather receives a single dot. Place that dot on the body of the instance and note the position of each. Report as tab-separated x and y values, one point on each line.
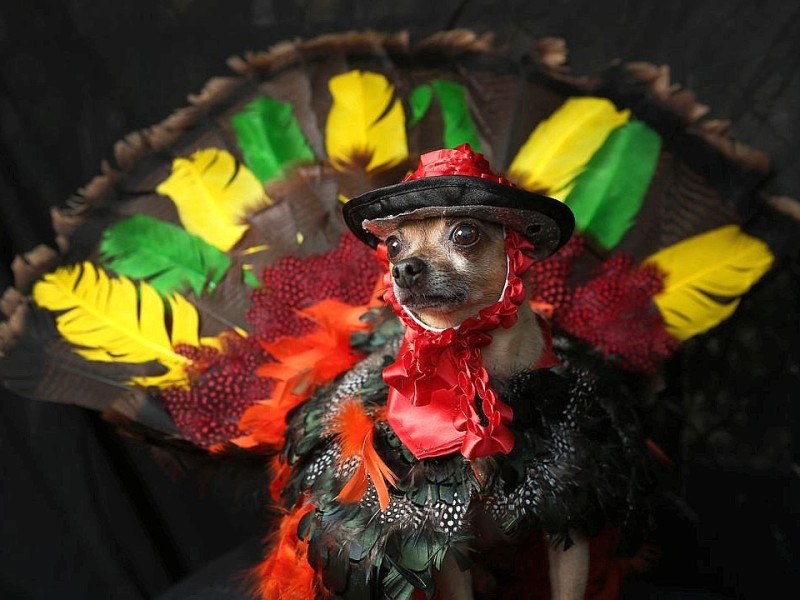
609	192
165	255
459	127
270	137
395	585
250	278
419	100
415	555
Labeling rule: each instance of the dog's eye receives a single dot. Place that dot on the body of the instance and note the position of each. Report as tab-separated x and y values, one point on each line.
393	246
465	234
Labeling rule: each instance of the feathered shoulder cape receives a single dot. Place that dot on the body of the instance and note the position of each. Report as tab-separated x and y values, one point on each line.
379	521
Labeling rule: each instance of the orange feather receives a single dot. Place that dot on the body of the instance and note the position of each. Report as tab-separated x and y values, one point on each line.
285	573
355	430
301	365
325	352
265	422
280	471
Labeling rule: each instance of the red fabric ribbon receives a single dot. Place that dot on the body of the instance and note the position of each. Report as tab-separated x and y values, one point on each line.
440	398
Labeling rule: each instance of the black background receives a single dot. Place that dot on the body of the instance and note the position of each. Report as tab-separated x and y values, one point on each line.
86	514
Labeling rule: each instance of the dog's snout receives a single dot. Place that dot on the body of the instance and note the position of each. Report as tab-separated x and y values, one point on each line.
408	271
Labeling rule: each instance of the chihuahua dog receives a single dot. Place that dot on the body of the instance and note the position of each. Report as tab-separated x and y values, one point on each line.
445	270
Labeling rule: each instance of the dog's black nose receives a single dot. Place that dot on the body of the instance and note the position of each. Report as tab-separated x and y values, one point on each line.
408	271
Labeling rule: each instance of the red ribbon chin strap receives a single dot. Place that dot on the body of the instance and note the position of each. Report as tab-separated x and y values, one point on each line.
440	398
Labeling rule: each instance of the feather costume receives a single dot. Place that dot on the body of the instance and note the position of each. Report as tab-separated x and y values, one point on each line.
207	296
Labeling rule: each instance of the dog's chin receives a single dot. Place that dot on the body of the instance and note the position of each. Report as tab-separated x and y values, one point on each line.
437	310
418	301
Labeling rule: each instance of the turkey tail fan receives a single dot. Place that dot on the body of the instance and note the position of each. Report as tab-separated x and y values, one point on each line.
232	205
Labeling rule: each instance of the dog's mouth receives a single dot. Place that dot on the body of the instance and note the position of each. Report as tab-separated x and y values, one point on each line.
427	301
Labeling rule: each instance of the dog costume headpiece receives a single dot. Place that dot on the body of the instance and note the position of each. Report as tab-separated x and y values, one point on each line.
459	182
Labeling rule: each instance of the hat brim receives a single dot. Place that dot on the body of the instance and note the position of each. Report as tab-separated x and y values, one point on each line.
545	221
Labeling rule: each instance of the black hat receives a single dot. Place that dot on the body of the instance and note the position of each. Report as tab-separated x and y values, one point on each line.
459	182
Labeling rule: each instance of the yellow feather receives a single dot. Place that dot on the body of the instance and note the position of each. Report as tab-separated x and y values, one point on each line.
214	195
560	146
111	319
705	276
185	330
366	123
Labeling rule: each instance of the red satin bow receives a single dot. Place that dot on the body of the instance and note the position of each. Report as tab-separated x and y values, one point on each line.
440	398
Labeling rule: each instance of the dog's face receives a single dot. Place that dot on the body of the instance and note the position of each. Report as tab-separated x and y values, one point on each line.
445	270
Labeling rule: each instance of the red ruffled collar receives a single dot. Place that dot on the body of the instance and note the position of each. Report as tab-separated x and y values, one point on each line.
440	398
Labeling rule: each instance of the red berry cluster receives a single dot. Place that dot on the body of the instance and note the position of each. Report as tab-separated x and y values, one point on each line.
347	273
614	311
223	385
549	278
